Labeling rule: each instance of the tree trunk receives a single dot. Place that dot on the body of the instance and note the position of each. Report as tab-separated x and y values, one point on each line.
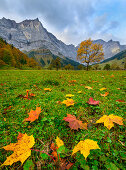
87	66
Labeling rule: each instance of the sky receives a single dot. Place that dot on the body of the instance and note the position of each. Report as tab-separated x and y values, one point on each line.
72	21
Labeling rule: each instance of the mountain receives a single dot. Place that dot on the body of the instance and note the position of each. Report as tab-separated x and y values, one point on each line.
13	57
30	34
118	56
45	57
117	61
110	48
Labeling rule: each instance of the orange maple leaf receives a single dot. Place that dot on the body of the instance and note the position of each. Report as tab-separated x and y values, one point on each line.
104	95
33	115
108	120
21	149
74	123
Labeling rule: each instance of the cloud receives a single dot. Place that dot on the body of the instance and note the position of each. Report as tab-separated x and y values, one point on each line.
70	20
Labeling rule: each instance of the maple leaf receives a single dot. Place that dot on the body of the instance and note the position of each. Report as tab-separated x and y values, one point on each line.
47	89
120	100
33	115
74	123
88	87
108	120
85	146
69	95
104	95
72	81
79	92
59	142
68	102
103	89
21	149
92	102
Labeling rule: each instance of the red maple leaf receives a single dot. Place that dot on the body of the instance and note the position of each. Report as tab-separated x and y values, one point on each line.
120	100
33	115
74	123
92	102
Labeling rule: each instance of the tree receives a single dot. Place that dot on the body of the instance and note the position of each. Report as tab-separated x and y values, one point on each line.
56	63
107	67
69	67
96	67
88	52
81	67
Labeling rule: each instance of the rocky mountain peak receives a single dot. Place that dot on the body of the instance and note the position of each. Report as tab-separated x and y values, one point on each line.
30	34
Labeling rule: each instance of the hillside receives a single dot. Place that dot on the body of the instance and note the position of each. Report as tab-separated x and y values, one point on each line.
44	57
118	59
13	57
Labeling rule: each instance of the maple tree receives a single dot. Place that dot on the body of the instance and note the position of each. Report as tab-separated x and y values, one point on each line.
74	123
21	149
92	102
108	120
89	52
85	146
33	115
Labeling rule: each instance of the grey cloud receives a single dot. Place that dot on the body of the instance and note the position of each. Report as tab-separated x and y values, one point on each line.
59	13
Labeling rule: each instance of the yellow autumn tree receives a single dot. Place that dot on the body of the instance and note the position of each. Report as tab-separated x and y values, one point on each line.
89	52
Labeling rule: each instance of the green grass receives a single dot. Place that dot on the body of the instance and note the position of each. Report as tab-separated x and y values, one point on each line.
50	123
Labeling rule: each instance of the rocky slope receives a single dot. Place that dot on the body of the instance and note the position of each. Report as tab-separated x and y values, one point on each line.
30	34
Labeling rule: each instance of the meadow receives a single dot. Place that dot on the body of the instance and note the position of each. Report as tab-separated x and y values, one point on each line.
23	91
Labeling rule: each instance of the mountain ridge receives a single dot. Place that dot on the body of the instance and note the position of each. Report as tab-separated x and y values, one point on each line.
30	34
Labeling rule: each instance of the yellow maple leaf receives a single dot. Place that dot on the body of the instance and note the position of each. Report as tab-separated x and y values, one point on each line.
85	146
68	102
47	89
79	92
108	120
102	89
69	95
21	149
88	87
59	142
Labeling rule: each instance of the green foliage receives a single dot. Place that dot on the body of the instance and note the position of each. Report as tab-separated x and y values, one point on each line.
107	67
9	55
50	123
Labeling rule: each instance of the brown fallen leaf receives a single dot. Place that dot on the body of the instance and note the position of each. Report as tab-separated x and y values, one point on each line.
74	123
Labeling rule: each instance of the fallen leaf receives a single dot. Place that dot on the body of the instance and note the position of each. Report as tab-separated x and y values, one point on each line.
33	115
85	146
65	164
108	120
69	95
120	100
112	76
74	123
72	81
103	89
79	92
92	102
104	95
88	87
21	150
47	89
68	102
59	142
